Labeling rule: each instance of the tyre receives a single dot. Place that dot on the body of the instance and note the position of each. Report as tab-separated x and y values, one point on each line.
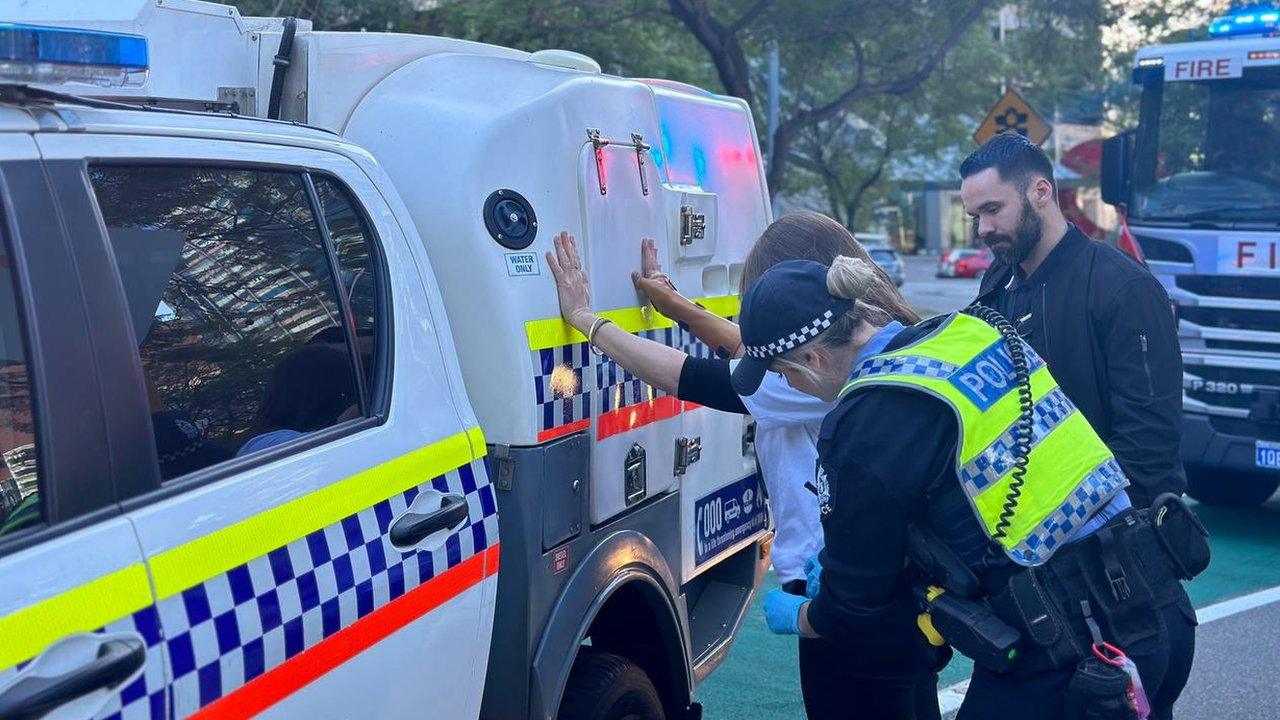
1233	488
609	687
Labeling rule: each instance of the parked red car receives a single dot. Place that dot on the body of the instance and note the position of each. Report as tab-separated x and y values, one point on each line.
964	262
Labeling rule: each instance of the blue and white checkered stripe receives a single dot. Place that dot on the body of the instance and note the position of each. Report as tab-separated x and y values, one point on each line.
145	696
555	409
992	463
1093	492
231	629
792	340
902	365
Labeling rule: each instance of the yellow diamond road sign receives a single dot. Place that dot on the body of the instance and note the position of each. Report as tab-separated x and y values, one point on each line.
1013	113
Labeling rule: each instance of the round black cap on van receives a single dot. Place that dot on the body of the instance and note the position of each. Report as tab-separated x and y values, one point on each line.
510	219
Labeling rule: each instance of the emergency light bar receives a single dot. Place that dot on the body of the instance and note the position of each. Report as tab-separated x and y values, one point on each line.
1252	21
51	55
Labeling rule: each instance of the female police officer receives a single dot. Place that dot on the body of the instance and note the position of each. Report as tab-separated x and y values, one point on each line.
950	426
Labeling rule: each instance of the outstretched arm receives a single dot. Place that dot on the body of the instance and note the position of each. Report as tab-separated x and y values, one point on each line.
715	331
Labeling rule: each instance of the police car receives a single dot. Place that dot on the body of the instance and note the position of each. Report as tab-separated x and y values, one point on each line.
291	426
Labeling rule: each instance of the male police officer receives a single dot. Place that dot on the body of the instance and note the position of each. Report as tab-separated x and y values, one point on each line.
1098	318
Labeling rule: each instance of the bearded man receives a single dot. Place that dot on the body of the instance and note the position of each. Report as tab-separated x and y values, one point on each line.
1098	318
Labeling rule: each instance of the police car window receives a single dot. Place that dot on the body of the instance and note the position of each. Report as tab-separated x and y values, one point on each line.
19	477
353	243
234	308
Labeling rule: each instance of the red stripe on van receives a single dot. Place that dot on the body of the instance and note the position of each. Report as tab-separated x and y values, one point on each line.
562	430
296	673
631	417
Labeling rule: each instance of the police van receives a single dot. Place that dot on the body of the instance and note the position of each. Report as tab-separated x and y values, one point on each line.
291	424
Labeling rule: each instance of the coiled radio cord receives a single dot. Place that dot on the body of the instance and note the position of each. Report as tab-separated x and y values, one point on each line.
1023	429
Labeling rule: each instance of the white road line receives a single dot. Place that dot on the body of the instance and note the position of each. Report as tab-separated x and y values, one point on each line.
950	698
1227	608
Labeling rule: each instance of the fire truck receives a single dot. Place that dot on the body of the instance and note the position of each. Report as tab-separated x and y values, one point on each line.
1198	181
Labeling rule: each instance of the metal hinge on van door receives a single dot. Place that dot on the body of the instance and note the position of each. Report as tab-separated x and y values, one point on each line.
693	225
688	452
642	147
506	467
599	143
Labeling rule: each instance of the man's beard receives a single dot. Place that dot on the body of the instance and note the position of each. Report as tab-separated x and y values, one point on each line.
1012	249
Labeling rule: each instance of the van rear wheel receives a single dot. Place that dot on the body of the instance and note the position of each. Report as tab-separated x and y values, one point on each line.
603	686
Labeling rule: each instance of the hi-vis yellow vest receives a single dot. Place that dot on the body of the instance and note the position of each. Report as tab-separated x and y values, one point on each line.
1070	475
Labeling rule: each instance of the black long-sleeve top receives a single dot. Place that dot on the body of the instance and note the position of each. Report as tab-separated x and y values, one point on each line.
706	382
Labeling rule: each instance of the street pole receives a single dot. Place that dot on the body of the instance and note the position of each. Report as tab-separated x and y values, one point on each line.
1004	87
1057	145
773	96
774	86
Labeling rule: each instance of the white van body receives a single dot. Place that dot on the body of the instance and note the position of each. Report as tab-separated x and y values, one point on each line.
606	494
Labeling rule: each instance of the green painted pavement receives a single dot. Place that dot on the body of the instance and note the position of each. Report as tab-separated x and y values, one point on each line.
760	678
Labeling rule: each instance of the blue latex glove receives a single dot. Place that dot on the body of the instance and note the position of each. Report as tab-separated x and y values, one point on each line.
813	577
782	611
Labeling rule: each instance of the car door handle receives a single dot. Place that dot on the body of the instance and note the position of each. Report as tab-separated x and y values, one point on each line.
412	528
33	696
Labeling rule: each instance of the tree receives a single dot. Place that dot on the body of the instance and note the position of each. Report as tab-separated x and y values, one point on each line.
862	158
847	64
852	51
842	54
1130	24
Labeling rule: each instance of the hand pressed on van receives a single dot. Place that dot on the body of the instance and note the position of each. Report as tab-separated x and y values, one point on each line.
721	334
571	283
649	279
655	363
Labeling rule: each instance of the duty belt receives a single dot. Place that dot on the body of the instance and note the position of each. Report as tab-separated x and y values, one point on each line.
1121	573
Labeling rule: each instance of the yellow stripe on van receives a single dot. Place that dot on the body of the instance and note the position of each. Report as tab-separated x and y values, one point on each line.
555	332
722	305
27	632
207	557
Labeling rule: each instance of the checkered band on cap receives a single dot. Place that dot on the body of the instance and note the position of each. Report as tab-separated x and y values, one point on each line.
794	340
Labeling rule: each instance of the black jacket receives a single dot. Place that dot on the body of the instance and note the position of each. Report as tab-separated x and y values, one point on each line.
1106	329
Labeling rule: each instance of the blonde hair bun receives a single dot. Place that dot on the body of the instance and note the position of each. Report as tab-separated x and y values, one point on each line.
850	278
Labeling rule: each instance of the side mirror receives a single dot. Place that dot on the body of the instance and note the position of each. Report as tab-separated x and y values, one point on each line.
1117	163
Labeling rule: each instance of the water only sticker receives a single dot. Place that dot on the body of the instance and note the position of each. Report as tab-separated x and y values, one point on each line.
522	264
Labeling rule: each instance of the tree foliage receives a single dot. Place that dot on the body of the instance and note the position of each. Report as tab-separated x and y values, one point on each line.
866	83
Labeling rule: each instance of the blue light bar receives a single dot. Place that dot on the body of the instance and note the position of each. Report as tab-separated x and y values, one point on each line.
49	55
1255	20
